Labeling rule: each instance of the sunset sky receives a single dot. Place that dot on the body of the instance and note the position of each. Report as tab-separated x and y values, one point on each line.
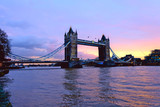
37	27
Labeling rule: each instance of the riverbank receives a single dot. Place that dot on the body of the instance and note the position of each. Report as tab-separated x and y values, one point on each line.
3	72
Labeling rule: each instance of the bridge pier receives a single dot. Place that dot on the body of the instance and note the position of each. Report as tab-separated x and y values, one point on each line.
104	51
71	64
71	50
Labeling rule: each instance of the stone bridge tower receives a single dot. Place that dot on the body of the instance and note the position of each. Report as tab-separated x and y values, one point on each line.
104	51
71	49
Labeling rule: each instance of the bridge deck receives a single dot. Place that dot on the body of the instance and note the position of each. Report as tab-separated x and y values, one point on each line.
11	62
89	43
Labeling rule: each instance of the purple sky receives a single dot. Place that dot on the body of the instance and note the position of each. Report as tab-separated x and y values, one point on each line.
36	27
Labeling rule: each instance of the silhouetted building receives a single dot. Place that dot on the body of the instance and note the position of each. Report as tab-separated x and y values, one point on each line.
137	61
154	57
128	58
132	59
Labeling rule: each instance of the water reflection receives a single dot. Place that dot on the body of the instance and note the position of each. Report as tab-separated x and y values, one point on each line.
73	95
88	86
105	93
4	95
136	88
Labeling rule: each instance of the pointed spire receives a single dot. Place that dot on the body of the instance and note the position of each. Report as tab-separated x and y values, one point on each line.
108	38
76	32
103	37
65	34
98	40
70	30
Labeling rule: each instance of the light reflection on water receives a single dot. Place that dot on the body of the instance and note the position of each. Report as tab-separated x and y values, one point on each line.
88	86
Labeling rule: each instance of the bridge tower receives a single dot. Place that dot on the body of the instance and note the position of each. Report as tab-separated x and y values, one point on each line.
104	51
71	49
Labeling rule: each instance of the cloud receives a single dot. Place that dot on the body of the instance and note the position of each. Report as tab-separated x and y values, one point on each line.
32	46
87	52
18	24
40	49
86	55
27	42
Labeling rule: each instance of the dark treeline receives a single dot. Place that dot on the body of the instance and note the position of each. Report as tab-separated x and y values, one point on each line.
4	45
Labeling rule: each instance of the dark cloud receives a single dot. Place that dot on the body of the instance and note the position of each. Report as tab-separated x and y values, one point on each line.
30	42
18	24
26	52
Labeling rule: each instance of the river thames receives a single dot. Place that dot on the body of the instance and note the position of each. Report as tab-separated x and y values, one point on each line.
88	86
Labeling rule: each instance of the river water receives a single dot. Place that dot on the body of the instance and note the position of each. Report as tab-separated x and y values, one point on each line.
88	86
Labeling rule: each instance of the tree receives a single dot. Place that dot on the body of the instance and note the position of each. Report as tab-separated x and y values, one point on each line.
4	45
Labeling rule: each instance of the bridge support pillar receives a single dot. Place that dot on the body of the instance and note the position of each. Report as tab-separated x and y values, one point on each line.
104	51
71	64
71	50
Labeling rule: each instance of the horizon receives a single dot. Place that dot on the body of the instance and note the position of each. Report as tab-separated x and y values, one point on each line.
37	27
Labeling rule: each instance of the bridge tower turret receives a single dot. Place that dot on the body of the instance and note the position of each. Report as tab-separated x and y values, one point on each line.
71	49
104	51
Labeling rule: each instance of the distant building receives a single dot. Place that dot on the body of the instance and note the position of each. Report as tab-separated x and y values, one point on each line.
128	58
154	57
132	59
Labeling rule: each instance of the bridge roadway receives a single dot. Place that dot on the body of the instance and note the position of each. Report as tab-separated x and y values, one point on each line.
13	62
90	43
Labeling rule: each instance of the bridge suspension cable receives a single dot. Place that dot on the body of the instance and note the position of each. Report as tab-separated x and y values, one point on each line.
17	57
49	55
53	52
115	56
114	53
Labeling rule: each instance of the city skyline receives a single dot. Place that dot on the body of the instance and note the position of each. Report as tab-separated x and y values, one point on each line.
37	27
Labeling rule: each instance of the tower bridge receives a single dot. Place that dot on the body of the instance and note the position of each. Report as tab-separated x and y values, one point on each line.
71	60
71	50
